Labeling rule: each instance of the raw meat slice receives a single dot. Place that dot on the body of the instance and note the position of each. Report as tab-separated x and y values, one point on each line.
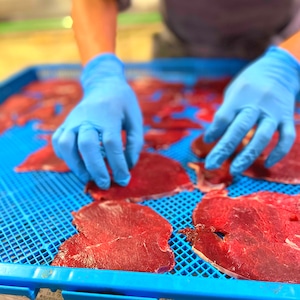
5	122
154	176
209	180
170	123
216	85
286	170
17	104
52	123
168	110
118	236
201	149
147	86
43	159
163	139
40	113
206	114
150	108
199	98
55	87
252	237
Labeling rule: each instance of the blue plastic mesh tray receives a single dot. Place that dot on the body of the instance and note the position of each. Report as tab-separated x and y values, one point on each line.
35	212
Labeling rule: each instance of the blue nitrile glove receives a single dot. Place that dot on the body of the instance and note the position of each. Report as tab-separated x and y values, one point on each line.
263	95
108	106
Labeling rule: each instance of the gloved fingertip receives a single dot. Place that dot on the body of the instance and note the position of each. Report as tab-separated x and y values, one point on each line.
208	138
236	170
211	165
103	184
132	159
84	178
123	181
269	162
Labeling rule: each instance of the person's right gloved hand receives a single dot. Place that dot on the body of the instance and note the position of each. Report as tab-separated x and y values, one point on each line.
108	106
263	95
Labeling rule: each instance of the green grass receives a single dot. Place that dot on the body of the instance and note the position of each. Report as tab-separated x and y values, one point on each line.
129	18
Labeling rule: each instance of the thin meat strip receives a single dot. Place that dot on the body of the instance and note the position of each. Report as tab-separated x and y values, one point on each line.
43	159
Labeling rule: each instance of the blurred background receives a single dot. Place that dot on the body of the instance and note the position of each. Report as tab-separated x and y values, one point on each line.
39	31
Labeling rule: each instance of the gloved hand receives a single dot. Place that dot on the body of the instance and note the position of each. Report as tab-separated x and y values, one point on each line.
263	95
108	106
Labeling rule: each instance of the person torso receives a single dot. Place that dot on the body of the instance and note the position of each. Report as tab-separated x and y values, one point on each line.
213	23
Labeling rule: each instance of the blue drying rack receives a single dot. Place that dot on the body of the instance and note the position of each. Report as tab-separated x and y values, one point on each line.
35	211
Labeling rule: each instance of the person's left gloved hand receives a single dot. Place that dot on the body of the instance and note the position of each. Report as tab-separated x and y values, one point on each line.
108	106
263	95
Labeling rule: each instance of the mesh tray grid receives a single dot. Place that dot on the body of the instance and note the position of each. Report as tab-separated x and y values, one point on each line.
35	207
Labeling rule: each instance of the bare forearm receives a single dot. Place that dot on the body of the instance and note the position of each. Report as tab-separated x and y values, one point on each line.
94	25
292	45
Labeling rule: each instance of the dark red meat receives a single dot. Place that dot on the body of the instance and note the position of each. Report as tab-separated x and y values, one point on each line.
163	139
201	149
146	86
206	114
43	159
251	237
209	180
52	123
17	104
170	123
216	85
56	87
168	110
118	236
40	113
150	108
5	122
154	176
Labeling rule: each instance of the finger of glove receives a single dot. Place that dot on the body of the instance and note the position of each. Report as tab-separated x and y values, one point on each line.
135	135
287	135
55	138
233	136
112	143
260	140
89	147
221	121
67	147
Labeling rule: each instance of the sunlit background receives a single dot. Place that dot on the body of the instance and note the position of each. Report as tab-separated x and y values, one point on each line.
39	31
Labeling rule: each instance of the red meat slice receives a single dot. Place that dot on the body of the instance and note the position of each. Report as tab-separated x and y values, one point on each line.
146	86
5	122
118	236
40	113
52	123
162	139
170	123
168	110
201	149
17	104
206	114
251	237
150	108
43	159
154	176
209	180
56	87
216	85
